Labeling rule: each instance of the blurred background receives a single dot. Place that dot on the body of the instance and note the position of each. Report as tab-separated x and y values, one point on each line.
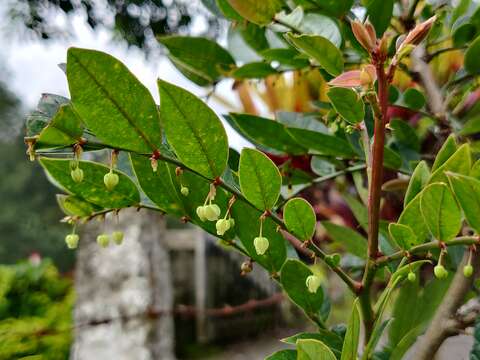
169	291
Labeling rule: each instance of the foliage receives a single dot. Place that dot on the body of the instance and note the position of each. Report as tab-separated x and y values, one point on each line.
357	112
35	311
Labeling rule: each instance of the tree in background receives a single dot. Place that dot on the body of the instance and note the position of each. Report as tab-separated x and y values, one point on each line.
138	22
29	216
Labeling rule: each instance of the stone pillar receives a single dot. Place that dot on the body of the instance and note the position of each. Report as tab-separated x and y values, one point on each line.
119	287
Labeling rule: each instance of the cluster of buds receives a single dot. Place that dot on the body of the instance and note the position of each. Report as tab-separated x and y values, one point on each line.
312	283
209	210
104	239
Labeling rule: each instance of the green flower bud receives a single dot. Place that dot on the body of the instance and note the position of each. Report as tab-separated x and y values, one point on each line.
411	276
212	212
232	222
440	272
110	180
312	283
103	240
261	245
468	270
72	241
222	226
333	260
201	213
77	175
117	237
184	190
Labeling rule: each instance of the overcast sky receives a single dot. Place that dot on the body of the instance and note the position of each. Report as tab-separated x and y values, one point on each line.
32	68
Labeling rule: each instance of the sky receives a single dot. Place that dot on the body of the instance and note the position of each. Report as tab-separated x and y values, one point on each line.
32	68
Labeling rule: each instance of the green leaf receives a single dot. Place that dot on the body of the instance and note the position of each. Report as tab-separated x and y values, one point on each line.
320	49
92	189
329	338
391	159
64	129
258	12
112	103
198	56
440	211
254	36
417	182
254	70
321	143
405	343
460	162
286	57
405	134
288	354
414	99
472	54
471	127
46	109
380	13
293	277
446	151
359	210
260	179
475	170
403	235
158	186
186	117
350	343
300	219
309	349
412	217
75	206
247	226
349	238
266	132
227	10
467	192
347	103
335	8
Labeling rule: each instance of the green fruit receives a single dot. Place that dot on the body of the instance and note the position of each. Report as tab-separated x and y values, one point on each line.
103	240
184	190
110	180
411	276
212	212
468	270
72	241
333	260
222	226
201	213
261	245
77	175
117	237
232	222
313	283
440	272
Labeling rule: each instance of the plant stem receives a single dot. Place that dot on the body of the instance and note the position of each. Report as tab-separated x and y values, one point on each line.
374	196
423	248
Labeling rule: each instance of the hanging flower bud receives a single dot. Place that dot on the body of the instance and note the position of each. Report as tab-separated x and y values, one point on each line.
411	276
261	245
77	175
103	240
184	190
232	222
312	283
72	241
440	272
117	237
222	226
110	180
364	36
201	213
212	212
468	270
154	164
